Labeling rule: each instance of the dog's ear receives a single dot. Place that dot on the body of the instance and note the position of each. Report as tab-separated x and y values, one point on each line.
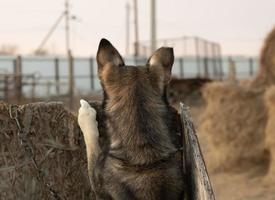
161	63
106	53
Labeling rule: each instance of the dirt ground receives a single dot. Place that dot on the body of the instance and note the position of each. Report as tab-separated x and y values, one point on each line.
242	186
246	185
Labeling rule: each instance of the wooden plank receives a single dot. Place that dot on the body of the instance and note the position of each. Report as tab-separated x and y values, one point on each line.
198	182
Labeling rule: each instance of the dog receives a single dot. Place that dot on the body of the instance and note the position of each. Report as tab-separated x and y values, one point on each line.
133	151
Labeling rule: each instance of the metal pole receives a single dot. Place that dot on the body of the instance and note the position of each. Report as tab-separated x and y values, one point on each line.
136	54
69	53
153	25
127	29
67	26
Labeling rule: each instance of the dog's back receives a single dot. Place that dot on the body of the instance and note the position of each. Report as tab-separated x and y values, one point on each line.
140	157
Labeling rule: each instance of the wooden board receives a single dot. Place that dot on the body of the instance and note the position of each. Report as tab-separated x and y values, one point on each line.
198	182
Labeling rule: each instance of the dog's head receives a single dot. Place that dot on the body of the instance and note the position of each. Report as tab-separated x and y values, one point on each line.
119	80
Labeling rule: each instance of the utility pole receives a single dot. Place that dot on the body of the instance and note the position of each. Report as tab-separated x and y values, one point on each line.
136	54
153	26
127	29
69	53
67	16
67	26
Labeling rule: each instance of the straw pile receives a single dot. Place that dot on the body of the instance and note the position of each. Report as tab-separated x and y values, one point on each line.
234	121
270	130
266	74
235	117
59	151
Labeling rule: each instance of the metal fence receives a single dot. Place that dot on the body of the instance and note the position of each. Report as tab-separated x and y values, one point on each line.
33	77
185	46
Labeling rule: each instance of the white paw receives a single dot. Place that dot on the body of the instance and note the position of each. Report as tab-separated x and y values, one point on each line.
86	110
87	118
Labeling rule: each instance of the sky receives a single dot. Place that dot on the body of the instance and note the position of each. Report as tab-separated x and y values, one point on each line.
240	26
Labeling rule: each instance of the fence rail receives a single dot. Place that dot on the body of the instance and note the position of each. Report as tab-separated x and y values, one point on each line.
33	77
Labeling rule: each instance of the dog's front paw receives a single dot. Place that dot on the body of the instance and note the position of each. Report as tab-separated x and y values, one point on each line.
87	118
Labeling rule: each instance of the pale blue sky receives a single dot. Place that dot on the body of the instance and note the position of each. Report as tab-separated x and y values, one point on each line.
239	25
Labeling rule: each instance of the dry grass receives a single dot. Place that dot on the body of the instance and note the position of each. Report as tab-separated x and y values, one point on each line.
234	123
270	130
266	74
235	117
58	147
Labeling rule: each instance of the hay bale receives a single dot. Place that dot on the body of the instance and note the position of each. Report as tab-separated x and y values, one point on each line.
270	131
235	116
59	150
266	74
234	123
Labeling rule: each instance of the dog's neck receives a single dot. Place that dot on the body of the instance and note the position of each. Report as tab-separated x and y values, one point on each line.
136	126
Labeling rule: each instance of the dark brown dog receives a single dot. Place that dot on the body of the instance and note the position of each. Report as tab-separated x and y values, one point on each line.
139	138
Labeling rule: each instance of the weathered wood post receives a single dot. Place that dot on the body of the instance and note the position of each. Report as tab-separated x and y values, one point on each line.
18	78
198	182
71	78
91	63
33	87
215	70
197	55
205	60
206	71
181	61
232	70
251	72
220	63
6	88
56	68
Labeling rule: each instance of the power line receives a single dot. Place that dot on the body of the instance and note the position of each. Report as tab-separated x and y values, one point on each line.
40	47
65	14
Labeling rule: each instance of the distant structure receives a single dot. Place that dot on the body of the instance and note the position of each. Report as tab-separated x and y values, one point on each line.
202	54
153	28
185	46
8	49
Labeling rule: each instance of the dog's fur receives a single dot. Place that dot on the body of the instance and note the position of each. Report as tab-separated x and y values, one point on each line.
137	157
